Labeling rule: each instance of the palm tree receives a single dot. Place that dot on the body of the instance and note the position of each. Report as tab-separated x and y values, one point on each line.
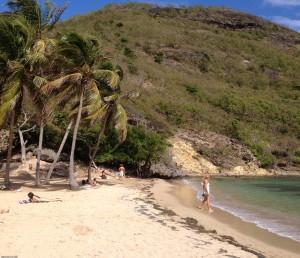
41	17
110	111
16	37
81	55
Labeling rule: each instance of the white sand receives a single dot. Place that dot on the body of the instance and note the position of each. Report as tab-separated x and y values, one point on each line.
110	221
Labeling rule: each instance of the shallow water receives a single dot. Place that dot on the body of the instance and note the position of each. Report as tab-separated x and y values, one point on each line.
270	203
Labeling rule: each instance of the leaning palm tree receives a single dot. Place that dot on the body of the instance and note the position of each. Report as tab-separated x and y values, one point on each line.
109	111
79	86
41	16
16	38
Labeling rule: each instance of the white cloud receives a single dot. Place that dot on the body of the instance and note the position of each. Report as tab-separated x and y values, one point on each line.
283	2
291	23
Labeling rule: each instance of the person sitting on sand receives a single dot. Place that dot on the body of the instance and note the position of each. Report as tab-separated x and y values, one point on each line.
103	174
94	182
121	171
33	197
206	195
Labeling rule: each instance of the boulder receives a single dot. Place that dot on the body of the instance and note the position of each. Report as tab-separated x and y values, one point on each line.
61	170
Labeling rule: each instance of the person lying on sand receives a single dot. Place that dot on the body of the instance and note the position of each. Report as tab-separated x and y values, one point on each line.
206	195
33	197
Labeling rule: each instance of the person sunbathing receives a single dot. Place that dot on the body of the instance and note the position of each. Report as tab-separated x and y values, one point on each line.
33	197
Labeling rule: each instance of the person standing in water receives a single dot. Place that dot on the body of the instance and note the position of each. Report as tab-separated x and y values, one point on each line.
206	195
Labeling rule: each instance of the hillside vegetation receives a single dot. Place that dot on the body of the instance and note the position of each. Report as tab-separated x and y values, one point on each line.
206	69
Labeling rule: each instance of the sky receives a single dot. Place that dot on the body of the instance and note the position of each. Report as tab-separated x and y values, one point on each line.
284	12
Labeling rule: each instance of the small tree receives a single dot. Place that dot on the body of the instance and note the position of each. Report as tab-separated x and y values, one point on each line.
140	150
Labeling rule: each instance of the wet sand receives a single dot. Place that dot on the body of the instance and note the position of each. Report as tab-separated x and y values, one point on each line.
182	200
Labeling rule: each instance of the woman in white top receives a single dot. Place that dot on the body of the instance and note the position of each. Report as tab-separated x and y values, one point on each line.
206	195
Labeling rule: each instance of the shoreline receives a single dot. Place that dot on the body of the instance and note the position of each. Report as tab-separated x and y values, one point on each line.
182	200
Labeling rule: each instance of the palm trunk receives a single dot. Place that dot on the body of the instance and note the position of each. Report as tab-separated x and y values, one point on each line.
73	183
58	152
92	158
23	147
38	159
9	150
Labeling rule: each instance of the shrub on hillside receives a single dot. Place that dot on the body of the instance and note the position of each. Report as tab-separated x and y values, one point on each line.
106	66
193	90
158	57
171	112
296	160
132	68
128	52
263	155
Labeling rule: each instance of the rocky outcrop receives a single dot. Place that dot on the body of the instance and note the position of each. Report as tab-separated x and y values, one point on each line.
232	20
211	153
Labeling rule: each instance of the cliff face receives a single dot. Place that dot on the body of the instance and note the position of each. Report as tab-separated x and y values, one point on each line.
210	153
206	70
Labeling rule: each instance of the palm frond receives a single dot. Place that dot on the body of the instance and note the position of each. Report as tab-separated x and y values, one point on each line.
28	8
96	114
108	78
10	95
79	50
37	54
61	83
39	81
16	36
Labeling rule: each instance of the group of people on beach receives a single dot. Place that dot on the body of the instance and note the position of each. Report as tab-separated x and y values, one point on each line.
104	175
33	198
205	203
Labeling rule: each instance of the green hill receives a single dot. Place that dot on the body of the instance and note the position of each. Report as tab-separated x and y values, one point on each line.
206	69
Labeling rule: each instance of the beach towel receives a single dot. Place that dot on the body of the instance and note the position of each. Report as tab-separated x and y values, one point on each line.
24	202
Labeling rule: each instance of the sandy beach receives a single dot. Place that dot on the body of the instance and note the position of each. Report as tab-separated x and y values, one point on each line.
127	218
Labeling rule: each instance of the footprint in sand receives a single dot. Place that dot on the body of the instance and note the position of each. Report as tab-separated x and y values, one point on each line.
81	230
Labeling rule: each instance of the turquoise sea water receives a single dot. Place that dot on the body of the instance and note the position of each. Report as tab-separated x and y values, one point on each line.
270	203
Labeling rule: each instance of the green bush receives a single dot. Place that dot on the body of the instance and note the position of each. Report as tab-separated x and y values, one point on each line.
232	104
296	160
106	66
193	90
132	68
234	130
119	24
297	152
128	52
141	144
265	158
158	57
171	112
124	40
